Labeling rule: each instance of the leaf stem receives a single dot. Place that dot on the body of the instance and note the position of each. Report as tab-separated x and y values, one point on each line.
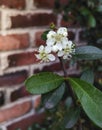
66	75
63	67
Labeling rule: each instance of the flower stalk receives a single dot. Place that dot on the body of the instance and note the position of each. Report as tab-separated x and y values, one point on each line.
66	75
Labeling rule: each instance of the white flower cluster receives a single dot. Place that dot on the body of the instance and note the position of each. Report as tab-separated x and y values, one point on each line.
57	43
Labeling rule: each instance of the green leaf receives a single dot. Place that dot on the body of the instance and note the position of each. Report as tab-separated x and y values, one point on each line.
88	53
90	98
91	21
43	82
68	102
44	35
84	11
71	118
53	98
88	76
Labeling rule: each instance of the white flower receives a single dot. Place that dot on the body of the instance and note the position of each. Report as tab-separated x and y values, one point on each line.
45	54
63	31
67	51
57	39
57	43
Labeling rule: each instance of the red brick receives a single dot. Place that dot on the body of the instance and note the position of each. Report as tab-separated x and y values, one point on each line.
50	68
13	78
18	4
67	23
39	19
15	111
48	3
25	58
38	40
25	123
37	102
14	41
44	3
19	93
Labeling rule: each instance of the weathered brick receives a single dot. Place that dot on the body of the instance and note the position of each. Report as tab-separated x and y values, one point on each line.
25	58
28	20
18	4
19	93
15	111
13	78
25	123
38	41
14	41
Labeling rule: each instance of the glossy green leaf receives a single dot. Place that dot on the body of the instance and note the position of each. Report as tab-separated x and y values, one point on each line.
44	35
88	76
71	117
84	11
90	98
53	98
91	21
43	82
88	53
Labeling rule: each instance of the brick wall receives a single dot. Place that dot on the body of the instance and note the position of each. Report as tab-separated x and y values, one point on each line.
21	25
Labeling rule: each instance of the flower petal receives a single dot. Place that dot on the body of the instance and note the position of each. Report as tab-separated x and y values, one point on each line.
51	57
60	53
51	34
54	48
38	56
59	46
50	41
62	31
65	41
48	49
70	43
65	57
41	48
